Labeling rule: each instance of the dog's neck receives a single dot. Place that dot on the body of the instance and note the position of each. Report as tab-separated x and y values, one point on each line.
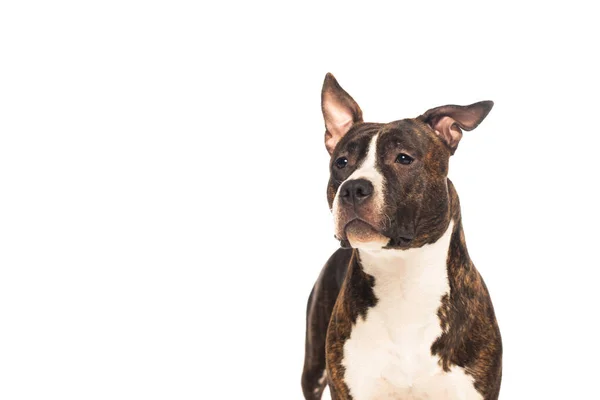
410	284
409	265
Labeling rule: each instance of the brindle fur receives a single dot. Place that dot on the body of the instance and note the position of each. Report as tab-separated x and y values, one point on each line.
419	204
320	306
471	337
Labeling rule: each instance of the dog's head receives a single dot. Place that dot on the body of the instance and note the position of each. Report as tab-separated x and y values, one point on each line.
388	186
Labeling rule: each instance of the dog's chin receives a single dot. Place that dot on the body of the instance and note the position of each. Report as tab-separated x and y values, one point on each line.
361	235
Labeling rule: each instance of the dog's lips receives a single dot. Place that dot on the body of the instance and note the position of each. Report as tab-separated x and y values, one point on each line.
360	231
358	224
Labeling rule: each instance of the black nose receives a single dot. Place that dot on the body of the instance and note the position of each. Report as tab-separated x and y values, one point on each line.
356	191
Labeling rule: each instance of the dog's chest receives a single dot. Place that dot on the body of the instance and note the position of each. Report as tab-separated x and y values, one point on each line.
388	354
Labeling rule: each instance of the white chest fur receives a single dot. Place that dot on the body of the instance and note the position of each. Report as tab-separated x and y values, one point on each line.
388	354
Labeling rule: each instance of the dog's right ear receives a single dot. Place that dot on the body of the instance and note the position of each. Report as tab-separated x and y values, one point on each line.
340	112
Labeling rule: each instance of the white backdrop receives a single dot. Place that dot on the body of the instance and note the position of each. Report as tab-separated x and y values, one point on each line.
163	174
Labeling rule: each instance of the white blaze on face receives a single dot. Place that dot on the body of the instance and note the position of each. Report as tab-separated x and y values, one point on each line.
366	170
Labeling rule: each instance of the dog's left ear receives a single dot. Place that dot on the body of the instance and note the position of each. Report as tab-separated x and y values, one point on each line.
448	121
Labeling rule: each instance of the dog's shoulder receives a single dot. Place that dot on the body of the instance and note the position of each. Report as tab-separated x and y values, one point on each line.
336	267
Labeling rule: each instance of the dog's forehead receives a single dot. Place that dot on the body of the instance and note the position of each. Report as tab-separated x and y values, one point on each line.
409	134
406	134
358	138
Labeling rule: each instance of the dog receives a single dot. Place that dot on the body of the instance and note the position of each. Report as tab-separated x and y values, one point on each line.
399	311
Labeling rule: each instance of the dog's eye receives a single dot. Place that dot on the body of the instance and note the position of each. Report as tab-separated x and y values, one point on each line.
404	159
341	162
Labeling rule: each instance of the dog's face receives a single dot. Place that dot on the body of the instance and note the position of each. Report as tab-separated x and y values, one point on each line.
388	186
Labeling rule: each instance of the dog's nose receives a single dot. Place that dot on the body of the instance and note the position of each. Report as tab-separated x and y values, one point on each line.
356	191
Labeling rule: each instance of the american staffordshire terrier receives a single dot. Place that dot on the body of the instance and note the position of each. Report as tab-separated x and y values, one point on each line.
399	312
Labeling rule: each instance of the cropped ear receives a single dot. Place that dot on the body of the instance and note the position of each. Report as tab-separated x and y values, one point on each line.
340	112
447	121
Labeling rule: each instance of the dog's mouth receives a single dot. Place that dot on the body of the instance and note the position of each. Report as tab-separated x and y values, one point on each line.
359	233
359	227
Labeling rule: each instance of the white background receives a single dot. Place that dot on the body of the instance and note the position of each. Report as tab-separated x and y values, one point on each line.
163	175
